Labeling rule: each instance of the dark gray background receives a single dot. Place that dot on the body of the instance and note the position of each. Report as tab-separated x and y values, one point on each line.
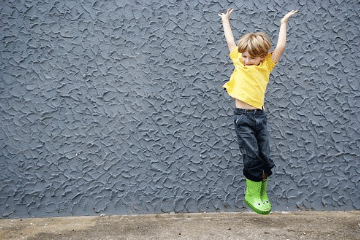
116	107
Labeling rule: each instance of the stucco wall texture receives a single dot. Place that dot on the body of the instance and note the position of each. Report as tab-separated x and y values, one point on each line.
116	107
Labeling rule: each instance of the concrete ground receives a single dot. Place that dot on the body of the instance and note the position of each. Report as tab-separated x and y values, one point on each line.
290	225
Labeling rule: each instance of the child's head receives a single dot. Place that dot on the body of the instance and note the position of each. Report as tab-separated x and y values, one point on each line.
257	45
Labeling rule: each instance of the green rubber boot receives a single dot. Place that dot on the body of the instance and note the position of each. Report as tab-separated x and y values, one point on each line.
264	196
253	199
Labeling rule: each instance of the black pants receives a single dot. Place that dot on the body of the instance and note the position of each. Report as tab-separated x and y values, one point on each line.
253	138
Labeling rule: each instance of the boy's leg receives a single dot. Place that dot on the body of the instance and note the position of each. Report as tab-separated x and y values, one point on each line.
245	127
264	152
262	135
245	131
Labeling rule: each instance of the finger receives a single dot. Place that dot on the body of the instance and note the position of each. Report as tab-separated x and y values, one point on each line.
291	13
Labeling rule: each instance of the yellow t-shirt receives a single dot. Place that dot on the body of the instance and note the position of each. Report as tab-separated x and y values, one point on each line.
248	83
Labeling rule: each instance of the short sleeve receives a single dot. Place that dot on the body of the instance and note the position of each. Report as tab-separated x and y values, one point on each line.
269	62
235	56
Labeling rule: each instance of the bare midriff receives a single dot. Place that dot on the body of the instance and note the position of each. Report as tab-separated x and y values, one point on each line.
243	105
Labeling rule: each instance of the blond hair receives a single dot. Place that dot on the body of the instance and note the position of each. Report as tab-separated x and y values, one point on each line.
257	44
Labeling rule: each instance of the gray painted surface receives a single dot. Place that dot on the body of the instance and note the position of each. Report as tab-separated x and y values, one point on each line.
116	107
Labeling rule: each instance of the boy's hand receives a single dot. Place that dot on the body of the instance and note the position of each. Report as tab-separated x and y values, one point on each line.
226	16
288	15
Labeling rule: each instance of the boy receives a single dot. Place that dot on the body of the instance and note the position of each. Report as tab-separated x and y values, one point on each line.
253	65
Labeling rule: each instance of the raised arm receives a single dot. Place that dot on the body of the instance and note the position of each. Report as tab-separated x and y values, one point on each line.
227	29
280	47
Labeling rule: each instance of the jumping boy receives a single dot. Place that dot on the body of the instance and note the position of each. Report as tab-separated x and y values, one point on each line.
253	64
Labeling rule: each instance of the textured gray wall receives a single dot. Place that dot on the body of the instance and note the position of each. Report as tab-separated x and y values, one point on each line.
116	107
